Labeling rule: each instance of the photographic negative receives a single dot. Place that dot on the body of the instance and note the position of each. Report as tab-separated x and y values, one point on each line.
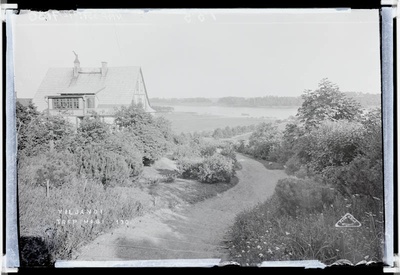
199	137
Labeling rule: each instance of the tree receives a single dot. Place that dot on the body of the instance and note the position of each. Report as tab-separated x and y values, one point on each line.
39	132
25	115
264	140
151	136
92	130
326	103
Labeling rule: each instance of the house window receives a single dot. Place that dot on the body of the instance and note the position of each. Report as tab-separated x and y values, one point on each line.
66	103
90	102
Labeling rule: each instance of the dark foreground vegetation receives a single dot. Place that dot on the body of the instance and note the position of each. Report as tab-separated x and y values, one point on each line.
332	152
76	183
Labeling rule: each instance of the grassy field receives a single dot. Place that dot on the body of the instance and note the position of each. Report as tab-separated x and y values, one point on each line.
190	122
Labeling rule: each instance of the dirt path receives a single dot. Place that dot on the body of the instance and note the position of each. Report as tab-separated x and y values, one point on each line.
192	232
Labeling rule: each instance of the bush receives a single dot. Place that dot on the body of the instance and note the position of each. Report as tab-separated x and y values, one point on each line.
40	217
213	169
302	196
208	149
92	130
44	133
108	166
189	168
361	176
228	150
152	137
292	165
216	168
185	151
57	167
264	234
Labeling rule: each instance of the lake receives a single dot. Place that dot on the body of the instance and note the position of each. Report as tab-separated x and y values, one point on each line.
259	112
208	118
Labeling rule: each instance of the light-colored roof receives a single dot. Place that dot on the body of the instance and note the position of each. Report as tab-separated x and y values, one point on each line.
115	88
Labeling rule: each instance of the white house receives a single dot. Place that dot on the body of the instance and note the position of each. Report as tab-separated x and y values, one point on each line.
77	92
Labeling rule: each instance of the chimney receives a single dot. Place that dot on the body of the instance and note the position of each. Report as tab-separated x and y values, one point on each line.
77	65
103	68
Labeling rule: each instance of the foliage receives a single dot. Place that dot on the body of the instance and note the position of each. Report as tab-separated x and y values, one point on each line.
40	218
361	176
152	136
132	117
326	103
25	116
210	169
302	196
265	234
332	144
264	140
229	132
216	168
42	132
189	168
335	153
57	167
112	163
92	130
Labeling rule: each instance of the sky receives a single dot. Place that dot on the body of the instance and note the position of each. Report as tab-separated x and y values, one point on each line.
206	53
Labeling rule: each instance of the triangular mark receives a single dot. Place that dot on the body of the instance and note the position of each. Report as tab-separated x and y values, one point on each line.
348	220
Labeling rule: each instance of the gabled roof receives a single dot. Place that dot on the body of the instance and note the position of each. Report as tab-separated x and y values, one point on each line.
115	88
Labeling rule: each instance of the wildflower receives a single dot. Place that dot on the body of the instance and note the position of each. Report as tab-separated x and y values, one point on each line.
287	233
277	248
264	243
243	251
269	251
261	255
258	246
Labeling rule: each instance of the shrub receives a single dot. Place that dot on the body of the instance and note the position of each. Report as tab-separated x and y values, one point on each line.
302	196
264	234
264	140
189	168
292	165
185	151
213	169
361	176
216	168
92	129
40	216
228	150
57	167
111	163
151	136
208	149
43	133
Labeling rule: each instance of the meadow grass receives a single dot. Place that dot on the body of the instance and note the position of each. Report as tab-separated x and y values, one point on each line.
50	229
265	234
203	191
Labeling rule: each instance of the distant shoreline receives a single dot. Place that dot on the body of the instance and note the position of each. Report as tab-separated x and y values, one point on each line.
220	105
